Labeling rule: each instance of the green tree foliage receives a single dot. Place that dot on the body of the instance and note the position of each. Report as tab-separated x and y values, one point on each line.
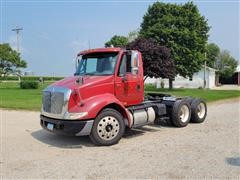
157	60
226	64
212	53
10	60
132	35
117	41
180	28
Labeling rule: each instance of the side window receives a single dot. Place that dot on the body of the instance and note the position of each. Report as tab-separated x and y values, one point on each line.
125	66
129	64
122	68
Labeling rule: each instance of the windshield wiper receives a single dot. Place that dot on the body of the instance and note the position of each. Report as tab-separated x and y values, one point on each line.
89	74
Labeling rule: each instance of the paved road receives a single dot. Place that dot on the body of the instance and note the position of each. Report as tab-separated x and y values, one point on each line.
208	150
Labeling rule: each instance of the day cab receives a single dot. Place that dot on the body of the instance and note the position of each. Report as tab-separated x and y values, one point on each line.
106	95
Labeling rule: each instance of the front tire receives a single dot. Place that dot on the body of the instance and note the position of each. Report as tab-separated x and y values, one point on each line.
181	113
108	128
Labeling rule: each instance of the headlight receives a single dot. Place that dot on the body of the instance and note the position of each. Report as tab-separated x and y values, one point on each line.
75	116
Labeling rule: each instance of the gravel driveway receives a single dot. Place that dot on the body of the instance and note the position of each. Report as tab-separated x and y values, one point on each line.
208	150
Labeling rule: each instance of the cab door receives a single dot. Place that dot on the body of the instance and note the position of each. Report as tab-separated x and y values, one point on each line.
128	82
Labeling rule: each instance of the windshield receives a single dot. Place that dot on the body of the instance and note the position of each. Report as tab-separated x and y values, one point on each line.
97	64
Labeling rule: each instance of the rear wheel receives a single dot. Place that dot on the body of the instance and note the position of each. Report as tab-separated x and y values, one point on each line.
108	128
181	113
199	111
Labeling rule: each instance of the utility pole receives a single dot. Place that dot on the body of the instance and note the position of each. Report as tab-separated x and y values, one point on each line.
17	30
204	74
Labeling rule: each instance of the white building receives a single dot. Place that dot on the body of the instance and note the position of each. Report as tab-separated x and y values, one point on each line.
181	82
237	72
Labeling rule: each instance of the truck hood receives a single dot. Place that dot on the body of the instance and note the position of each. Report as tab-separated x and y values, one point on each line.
70	82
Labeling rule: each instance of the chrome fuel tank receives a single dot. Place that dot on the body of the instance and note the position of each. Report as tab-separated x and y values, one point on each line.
142	116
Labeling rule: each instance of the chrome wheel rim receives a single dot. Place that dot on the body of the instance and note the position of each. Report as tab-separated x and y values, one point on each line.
184	113
201	110
108	128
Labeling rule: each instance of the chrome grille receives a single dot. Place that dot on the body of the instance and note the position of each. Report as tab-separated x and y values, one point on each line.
53	102
56	102
46	101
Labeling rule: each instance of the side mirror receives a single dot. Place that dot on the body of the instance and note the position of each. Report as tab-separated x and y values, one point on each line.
134	63
77	61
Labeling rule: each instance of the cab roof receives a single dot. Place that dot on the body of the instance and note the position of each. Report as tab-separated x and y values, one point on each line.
99	50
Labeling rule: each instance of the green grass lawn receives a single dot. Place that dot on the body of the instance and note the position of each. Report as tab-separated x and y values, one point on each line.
207	95
12	97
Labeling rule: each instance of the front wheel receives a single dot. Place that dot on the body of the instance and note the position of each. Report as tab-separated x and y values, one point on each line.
108	128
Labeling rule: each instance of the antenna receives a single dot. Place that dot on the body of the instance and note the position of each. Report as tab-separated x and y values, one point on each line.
17	30
89	47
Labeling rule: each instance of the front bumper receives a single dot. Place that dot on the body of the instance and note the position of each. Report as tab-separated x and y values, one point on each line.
67	127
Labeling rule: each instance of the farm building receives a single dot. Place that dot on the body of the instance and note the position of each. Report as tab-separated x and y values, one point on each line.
234	79
197	80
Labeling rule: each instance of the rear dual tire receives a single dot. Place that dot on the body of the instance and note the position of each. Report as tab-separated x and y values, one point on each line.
199	111
181	113
186	110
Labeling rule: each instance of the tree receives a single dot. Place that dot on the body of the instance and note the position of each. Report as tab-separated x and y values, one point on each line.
212	53
226	64
222	61
10	60
157	60
117	41
180	28
132	35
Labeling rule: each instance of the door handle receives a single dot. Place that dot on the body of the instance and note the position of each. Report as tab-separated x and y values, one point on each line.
138	87
124	79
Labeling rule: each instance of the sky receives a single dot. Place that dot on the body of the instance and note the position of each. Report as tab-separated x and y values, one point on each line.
55	31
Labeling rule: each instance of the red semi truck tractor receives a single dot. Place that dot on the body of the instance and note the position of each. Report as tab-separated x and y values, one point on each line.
106	95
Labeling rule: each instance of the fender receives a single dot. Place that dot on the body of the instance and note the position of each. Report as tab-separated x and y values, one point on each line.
94	105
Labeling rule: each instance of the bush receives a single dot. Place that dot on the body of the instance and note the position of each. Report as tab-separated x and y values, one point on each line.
30	78
28	85
36	78
8	78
